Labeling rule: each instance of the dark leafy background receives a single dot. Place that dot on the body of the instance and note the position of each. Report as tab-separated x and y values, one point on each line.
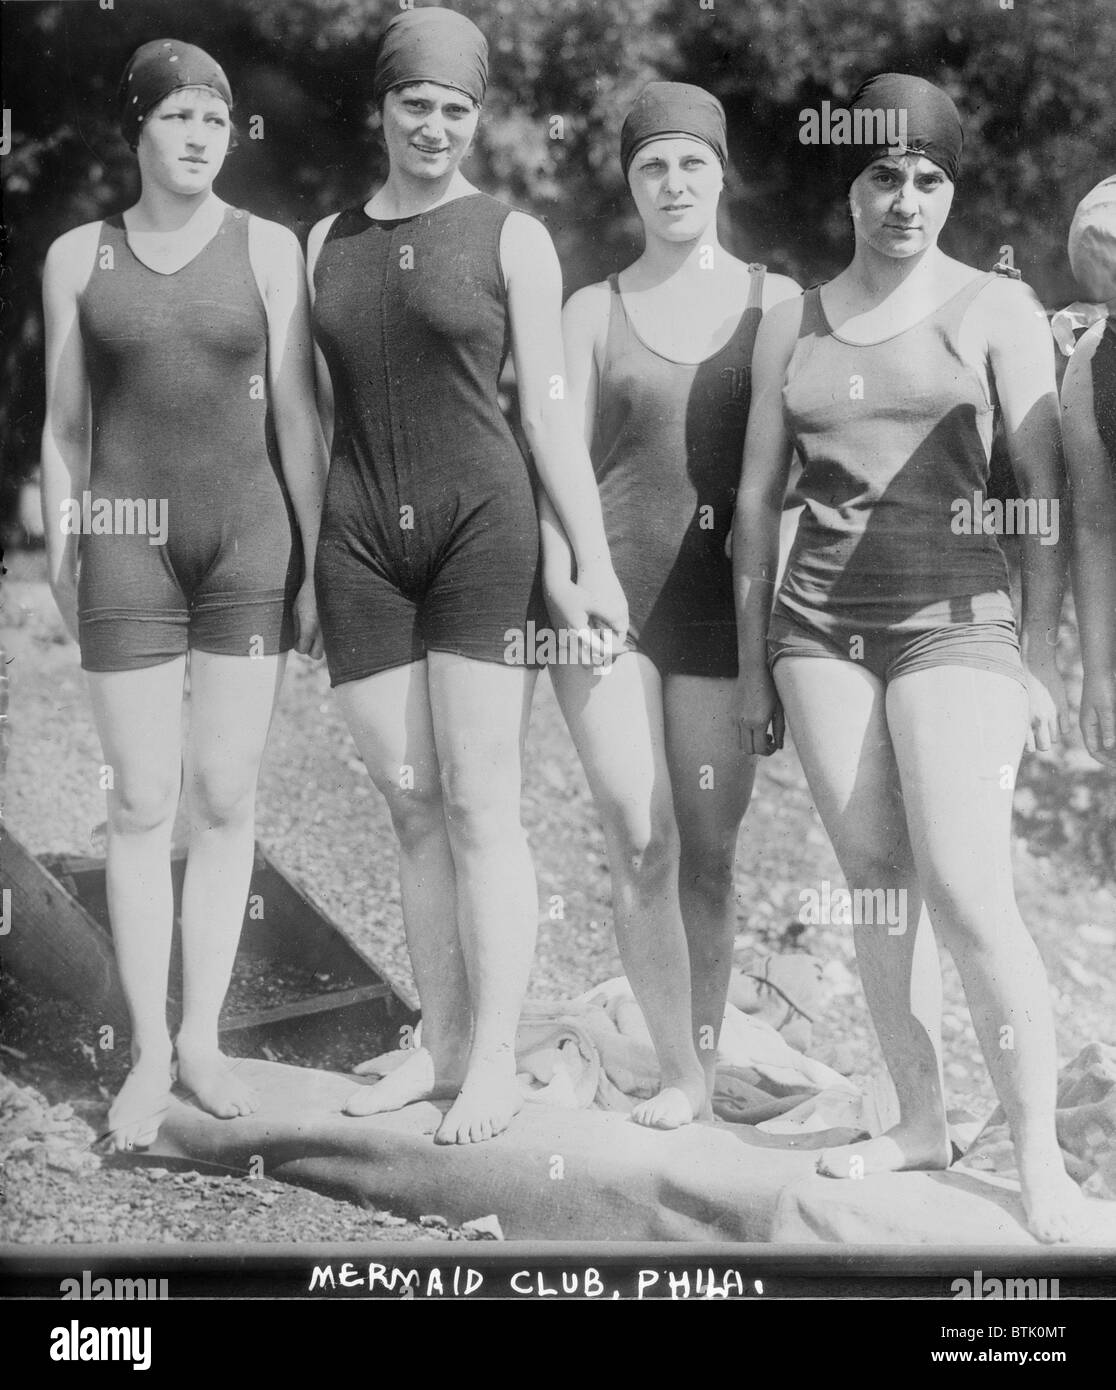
1034	84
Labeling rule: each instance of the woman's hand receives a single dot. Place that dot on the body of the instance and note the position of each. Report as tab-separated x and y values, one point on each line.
570	609
1098	716
760	713
64	589
1049	717
308	632
605	600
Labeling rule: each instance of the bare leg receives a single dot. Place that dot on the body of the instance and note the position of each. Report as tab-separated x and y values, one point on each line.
958	734
138	716
835	710
480	710
616	721
390	720
230	708
712	781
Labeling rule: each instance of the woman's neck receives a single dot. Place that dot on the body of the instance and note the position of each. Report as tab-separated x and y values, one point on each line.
157	210
876	275
662	260
402	196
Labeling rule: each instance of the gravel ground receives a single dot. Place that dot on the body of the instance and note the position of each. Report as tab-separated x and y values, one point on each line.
322	820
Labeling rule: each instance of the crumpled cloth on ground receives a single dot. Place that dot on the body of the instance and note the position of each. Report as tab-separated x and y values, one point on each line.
784	990
1086	1122
595	1051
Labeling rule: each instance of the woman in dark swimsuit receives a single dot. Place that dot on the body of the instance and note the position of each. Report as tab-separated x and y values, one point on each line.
181	438
660	360
893	644
429	556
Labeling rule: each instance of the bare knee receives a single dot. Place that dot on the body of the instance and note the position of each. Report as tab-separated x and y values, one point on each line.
709	872
222	796
967	910
481	812
416	809
143	802
643	844
872	866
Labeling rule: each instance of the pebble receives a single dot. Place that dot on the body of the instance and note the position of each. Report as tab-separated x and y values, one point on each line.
844	1058
484	1228
839	977
1080	973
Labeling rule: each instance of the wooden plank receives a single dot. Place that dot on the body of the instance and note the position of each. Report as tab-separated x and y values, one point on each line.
408	1001
71	951
302	1008
52	937
312	916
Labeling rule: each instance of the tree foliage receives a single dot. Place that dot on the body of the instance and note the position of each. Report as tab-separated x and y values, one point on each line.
1033	84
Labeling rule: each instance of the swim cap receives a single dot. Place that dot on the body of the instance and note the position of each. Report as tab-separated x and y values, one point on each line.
1092	241
158	68
432	45
663	109
924	114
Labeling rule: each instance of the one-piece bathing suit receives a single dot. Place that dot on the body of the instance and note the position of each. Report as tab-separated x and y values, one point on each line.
430	534
1104	387
886	570
667	451
183	445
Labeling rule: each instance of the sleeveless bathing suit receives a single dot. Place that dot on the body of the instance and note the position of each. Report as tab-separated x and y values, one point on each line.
182	434
667	450
430	535
1104	388
887	568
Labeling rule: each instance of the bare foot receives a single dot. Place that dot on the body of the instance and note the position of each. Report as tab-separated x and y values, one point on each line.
675	1105
489	1099
897	1151
137	1112
413	1080
1055	1205
211	1080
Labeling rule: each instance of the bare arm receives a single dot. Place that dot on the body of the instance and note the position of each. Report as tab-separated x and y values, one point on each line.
67	431
1021	353
1092	489
552	428
759	508
277	261
581	321
567	601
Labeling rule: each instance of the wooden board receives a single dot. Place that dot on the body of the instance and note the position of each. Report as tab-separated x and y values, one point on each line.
52	939
61	940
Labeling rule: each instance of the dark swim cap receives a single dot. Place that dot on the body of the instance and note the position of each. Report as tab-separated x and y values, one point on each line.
932	125
432	45
663	109
158	68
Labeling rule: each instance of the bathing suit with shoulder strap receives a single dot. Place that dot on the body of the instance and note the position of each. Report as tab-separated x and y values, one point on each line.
667	451
189	539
